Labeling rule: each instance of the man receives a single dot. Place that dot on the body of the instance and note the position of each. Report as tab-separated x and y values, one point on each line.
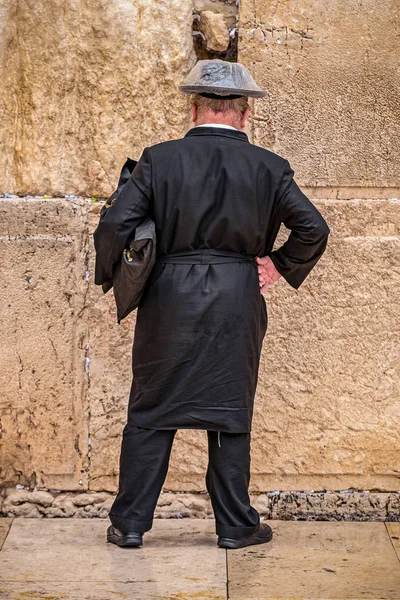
218	202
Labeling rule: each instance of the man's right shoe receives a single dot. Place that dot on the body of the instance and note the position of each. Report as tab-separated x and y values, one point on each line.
261	536
130	540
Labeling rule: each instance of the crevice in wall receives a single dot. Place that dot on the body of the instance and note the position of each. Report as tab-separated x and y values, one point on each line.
215	29
85	341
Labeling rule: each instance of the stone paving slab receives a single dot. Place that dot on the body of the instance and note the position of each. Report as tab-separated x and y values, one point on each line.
5	525
317	560
69	558
393	530
107	590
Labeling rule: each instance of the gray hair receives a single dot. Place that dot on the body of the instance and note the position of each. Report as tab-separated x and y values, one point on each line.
238	105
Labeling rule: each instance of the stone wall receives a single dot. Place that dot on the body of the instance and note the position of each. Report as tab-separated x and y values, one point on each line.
299	506
102	85
331	70
44	418
84	83
329	406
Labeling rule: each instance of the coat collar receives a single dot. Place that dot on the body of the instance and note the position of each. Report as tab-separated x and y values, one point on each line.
209	130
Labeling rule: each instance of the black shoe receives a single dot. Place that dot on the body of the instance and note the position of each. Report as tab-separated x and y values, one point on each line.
261	536
131	539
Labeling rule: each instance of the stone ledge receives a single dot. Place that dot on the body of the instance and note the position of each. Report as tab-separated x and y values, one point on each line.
351	505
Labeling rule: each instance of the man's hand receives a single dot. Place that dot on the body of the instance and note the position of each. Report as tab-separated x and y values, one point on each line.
267	273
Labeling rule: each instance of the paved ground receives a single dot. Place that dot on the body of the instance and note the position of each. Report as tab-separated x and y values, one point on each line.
68	559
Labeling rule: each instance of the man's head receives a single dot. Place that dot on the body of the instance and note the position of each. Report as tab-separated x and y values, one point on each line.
232	112
220	91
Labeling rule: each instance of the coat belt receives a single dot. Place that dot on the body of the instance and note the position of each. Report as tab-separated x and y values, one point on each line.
205	256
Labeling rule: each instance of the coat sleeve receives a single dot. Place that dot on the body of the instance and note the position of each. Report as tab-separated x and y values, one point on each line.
117	223
309	231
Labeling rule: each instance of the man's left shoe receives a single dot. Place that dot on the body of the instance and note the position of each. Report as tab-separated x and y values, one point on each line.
263	535
132	539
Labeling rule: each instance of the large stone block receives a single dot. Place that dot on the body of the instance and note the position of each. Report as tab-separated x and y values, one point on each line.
43	400
86	83
110	349
332	73
110	381
327	412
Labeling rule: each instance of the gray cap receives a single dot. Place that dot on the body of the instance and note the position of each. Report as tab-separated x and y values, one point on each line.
221	78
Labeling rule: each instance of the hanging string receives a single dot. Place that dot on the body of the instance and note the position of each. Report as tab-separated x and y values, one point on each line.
219	439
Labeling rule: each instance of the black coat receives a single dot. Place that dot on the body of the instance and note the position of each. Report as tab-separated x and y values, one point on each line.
217	201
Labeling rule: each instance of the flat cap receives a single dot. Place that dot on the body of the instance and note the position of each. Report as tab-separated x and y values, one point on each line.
222	79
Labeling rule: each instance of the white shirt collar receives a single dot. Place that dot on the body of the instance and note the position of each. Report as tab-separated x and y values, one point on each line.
217	125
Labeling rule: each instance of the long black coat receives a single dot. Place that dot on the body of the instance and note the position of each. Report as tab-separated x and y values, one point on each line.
218	201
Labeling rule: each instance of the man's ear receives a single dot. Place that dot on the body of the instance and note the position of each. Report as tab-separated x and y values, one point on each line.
244	117
194	113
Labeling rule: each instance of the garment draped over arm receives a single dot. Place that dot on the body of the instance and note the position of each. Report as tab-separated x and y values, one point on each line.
118	222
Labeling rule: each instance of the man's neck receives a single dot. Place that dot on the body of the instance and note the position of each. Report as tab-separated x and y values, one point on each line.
225	125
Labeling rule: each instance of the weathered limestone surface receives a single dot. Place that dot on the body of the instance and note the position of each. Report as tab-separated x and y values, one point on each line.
327	410
180	560
86	83
5	525
70	559
328	404
215	29
328	394
110	378
393	530
43	391
332	73
317	560
351	505
102	85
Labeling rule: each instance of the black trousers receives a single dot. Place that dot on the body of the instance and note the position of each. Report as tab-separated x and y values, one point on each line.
144	461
